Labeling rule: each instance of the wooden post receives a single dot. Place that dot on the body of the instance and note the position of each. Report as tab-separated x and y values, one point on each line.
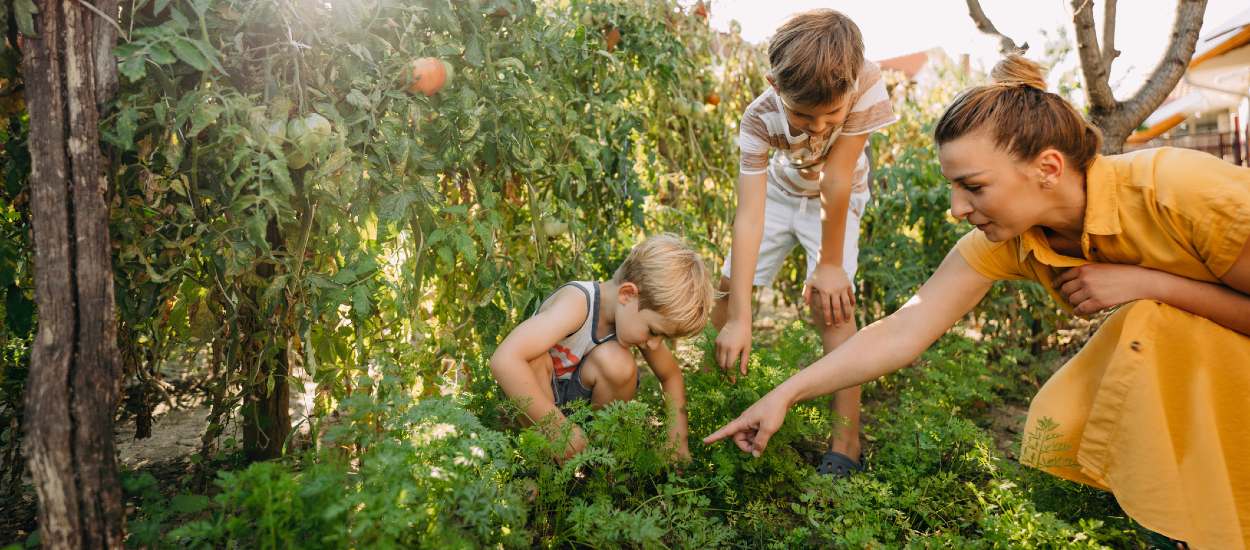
1236	141
72	391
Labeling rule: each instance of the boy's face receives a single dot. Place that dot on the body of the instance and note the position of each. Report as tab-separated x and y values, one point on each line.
644	328
817	120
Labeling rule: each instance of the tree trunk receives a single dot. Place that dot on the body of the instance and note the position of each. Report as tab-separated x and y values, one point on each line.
1118	119
267	393
73	386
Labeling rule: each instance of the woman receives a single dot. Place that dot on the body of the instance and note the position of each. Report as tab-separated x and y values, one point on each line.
1152	407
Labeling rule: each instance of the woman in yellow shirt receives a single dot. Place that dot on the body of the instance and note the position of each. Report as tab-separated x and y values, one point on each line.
1153	408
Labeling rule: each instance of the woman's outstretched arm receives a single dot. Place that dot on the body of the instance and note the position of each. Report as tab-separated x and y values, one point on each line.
880	348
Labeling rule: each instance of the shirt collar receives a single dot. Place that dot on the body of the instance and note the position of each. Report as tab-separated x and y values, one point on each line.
1102	205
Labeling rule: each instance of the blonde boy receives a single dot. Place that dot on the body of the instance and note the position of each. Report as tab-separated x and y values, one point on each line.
824	101
578	344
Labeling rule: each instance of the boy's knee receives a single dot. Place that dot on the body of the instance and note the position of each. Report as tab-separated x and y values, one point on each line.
613	364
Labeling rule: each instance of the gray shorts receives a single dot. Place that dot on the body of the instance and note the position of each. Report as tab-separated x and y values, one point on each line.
568	390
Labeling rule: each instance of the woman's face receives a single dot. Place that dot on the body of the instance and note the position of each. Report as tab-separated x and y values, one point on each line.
1003	197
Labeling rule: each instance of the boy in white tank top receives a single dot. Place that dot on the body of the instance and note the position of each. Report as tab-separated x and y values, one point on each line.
577	346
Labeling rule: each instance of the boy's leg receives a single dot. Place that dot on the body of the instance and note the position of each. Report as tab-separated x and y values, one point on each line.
845	438
846	403
610	373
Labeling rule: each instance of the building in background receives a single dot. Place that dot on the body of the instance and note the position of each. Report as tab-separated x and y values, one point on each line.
1210	108
923	68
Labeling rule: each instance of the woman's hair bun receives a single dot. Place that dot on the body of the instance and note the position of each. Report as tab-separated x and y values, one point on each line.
1017	70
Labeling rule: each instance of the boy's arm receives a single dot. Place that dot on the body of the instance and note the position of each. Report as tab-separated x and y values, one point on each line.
529	340
830	280
734	340
665	367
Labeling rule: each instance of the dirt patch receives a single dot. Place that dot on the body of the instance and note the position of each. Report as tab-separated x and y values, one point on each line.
1006	423
175	434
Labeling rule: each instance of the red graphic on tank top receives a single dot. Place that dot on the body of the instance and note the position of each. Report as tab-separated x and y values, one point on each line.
563	360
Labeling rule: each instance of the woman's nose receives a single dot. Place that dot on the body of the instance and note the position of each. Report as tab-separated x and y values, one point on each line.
959	208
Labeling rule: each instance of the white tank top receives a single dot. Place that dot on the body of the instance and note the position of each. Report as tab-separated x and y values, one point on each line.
568	353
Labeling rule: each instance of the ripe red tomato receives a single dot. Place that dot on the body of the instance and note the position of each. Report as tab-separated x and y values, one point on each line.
429	75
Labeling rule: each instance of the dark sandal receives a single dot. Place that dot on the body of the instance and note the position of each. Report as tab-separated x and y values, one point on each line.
1159	541
838	465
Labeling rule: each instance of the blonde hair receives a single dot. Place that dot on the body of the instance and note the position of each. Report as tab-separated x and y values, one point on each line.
672	281
815	57
1022	118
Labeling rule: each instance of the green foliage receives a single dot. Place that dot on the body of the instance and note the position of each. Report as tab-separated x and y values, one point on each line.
430	476
17	306
428	473
283	198
283	205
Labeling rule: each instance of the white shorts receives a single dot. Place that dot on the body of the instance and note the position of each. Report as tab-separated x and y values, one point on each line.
791	220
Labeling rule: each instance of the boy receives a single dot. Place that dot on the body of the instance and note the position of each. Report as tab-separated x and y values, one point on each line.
578	344
823	102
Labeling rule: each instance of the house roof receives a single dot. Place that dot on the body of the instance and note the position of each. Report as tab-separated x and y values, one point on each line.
909	64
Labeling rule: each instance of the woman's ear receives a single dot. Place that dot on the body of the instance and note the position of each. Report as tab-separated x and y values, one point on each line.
1050	165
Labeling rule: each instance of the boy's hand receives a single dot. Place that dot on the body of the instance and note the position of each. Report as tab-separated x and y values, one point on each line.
677	441
734	344
829	289
577	443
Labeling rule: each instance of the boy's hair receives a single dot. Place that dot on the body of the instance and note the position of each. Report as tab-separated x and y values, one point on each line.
816	57
672	281
1021	116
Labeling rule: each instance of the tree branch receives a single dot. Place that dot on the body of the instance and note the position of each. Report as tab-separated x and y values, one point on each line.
1005	44
1109	53
1092	67
1171	68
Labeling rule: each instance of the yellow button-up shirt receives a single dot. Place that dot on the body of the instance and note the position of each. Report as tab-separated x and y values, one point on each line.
1174	210
1156	406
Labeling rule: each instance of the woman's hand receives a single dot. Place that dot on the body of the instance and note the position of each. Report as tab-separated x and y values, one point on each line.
756	425
1095	287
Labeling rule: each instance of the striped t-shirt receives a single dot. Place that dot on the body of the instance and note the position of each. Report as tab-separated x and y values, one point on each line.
797	159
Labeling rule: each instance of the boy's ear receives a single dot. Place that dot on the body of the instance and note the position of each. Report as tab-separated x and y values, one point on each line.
626	292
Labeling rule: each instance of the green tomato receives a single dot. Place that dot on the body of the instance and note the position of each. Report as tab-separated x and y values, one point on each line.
296	159
318	131
295	130
276	131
